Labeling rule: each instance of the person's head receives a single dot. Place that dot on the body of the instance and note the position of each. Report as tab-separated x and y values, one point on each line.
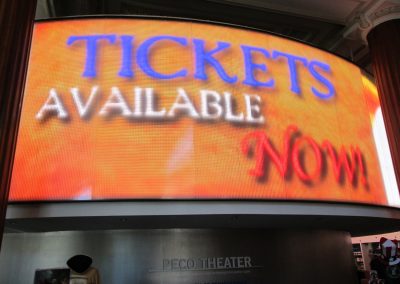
374	274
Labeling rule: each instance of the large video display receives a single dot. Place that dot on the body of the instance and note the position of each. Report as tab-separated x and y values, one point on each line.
167	109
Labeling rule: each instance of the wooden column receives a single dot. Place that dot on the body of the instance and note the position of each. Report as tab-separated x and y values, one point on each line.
16	25
384	43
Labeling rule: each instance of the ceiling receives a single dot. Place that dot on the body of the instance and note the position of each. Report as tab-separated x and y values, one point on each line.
336	12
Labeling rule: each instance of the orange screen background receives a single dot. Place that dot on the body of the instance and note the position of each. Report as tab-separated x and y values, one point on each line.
116	158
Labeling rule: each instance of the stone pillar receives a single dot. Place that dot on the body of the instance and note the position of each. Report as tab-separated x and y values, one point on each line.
384	44
16	24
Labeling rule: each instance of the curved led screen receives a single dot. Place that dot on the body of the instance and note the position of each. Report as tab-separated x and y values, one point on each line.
167	109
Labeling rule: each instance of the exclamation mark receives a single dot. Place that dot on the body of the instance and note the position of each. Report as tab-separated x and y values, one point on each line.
363	174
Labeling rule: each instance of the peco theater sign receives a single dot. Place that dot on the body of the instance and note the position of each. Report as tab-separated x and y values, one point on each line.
139	108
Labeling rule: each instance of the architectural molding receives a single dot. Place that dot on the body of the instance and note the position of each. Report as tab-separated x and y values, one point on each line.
371	16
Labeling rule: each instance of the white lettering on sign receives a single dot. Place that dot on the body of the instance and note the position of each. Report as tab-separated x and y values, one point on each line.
144	103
